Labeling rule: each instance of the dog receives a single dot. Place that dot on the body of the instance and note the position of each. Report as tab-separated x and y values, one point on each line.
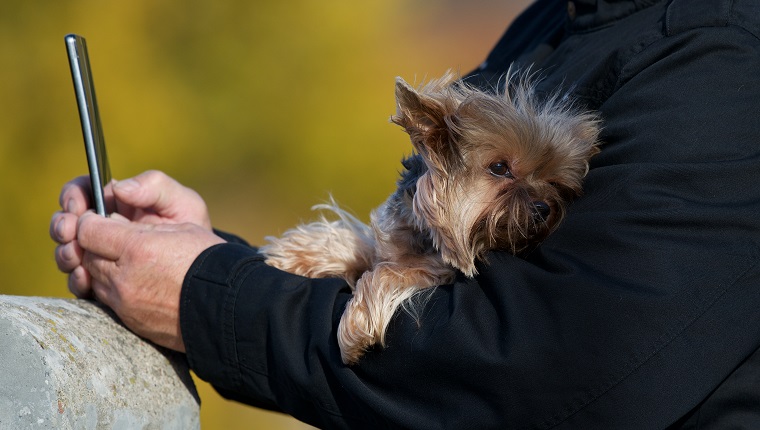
490	170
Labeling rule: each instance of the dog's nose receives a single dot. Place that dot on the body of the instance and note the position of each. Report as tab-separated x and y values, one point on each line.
541	210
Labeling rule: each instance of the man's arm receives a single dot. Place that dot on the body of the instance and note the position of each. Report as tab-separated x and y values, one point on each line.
632	312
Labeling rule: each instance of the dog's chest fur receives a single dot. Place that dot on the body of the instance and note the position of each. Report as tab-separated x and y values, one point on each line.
401	236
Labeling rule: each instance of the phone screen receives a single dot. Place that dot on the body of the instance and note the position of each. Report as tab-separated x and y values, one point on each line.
92	130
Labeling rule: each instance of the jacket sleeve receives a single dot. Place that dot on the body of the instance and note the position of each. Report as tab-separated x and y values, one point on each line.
630	314
229	237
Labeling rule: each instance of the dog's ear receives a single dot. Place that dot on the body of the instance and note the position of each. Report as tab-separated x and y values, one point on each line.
417	112
423	115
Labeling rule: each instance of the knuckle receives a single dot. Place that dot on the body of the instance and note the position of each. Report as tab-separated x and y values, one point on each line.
154	176
84	225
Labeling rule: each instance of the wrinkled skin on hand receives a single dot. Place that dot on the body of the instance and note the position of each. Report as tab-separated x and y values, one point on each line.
135	260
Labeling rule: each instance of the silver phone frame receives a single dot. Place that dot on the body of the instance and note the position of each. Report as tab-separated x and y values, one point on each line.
92	129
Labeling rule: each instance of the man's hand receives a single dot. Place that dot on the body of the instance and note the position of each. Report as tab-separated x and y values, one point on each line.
135	260
151	197
138	270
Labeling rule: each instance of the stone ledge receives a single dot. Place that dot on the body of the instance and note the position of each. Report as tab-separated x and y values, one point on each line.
68	364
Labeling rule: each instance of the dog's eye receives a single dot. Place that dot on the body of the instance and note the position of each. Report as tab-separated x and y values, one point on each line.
500	168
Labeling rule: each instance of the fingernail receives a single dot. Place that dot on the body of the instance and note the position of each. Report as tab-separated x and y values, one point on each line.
67	253
59	227
71	206
74	283
127	185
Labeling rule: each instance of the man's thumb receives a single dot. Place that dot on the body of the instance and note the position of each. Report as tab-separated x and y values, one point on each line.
131	192
149	190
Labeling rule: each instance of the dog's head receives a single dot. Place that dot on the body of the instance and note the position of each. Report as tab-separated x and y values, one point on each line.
501	167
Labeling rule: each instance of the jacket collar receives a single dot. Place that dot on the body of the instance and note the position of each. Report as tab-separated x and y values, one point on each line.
587	14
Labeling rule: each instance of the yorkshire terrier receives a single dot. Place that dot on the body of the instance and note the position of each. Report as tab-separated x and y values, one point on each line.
489	171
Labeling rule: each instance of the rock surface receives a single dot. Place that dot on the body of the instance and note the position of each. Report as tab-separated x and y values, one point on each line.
68	364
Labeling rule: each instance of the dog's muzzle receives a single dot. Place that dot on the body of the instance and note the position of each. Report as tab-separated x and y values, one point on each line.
541	211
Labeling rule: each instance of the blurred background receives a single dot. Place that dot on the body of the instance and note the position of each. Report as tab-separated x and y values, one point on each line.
264	107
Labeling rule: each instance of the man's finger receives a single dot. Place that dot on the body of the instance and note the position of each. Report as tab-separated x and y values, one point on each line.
80	283
57	226
68	256
63	227
151	190
101	275
75	195
103	236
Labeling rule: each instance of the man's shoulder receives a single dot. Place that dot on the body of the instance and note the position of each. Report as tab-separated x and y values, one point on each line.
685	15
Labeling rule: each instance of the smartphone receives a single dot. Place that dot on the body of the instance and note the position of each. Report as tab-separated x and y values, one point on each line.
92	130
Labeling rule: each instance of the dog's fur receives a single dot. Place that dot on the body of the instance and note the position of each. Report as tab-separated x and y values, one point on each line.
491	171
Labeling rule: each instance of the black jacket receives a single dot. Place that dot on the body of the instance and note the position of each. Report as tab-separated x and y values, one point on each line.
641	311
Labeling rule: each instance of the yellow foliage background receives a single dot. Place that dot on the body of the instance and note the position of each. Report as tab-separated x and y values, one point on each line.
264	107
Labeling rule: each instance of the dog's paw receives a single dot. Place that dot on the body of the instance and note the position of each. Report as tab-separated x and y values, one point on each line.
322	249
355	332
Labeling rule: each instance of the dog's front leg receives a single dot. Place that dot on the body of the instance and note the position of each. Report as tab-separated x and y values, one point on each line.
378	295
322	249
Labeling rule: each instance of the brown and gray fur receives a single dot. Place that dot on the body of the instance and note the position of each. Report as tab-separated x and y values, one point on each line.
491	171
